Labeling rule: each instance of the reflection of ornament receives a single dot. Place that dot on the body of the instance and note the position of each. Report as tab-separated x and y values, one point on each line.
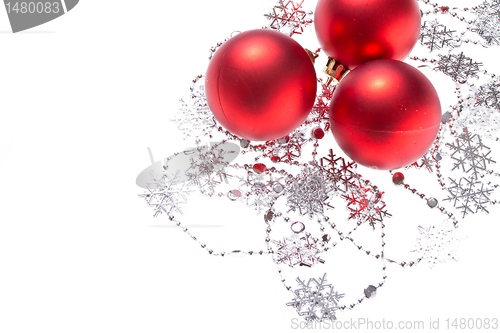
385	114
354	32
261	85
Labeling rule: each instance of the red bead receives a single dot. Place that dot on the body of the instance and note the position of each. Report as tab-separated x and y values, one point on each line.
398	178
356	31
259	167
385	114
318	133
275	158
261	85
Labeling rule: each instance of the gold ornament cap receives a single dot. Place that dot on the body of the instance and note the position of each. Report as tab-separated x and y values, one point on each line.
335	71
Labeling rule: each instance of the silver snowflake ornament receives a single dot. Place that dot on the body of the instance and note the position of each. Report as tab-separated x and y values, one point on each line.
260	190
340	172
166	195
366	205
469	195
297	250
457	66
194	118
316	300
289	17
488	94
289	148
426	161
470	154
206	169
309	192
437	36
487	23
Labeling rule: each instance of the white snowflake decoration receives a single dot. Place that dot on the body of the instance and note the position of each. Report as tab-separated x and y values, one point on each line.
437	244
194	118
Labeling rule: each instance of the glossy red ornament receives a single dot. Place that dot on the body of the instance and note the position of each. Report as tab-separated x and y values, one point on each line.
385	114
261	85
356	31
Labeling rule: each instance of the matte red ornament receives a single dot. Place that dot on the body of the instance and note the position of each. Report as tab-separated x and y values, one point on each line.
261	85
356	31
385	114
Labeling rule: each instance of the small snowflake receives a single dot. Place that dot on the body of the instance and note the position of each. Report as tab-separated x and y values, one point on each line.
260	191
365	205
298	250
437	244
166	195
341	172
470	153
206	169
436	36
425	161
469	195
458	67
489	95
290	149
316	300
321	106
194	118
288	17
309	192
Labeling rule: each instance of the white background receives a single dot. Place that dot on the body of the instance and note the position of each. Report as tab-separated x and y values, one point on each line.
81	98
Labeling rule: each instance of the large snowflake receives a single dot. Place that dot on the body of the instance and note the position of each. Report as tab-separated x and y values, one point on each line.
437	243
458	67
194	118
469	195
297	250
316	300
470	154
487	23
436	36
289	17
309	193
166	195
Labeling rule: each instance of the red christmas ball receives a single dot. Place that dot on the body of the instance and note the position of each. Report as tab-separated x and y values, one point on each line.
385	114
354	32
261	85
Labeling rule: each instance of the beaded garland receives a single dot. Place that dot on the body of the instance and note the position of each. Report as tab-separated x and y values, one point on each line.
297	187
